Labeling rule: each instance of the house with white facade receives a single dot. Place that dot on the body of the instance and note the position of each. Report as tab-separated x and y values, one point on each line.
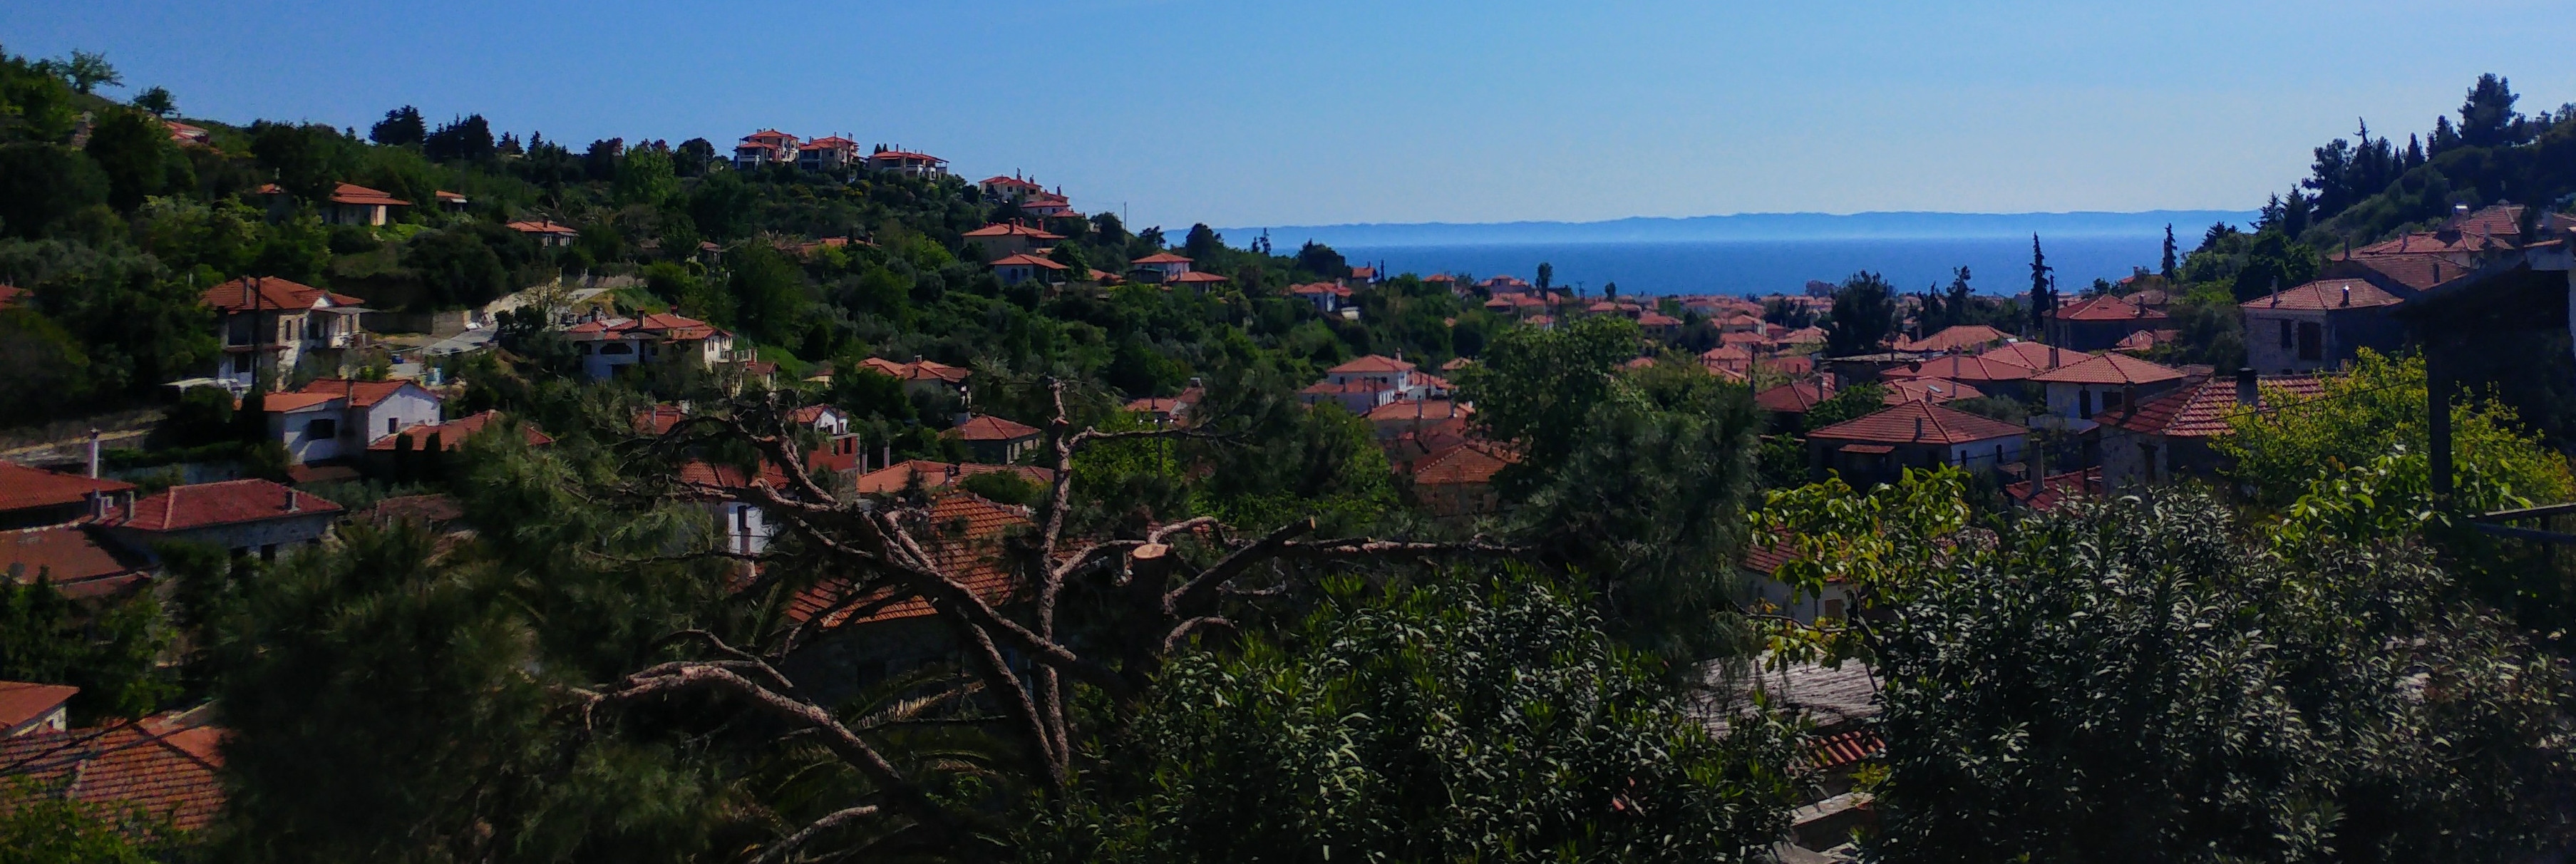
334	419
828	153
765	147
907	162
610	344
2106	382
1360	386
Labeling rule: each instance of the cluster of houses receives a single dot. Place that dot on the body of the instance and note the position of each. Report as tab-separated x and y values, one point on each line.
830	153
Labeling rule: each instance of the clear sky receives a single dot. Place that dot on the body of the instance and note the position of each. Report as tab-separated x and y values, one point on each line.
1325	111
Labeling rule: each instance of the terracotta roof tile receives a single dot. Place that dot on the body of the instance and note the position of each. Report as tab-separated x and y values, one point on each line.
1014	229
270	292
159	768
2325	294
2057	488
23	488
985	427
1371	364
2201	409
965	544
452	434
180	508
2109	369
21	701
1927	390
1793	398
1962	337
2105	308
2034	356
939	475
1918	423
1958	367
75	559
361	394
352	193
1468	463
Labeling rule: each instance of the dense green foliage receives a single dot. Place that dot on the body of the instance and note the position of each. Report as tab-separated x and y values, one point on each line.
1468	721
2149	688
108	649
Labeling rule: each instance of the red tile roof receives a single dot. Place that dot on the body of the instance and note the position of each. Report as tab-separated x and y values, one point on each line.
1918	423
2146	340
22	487
1418	409
1197	276
21	701
162	768
1027	260
361	394
1465	464
985	427
452	434
2033	355
270	292
1793	398
1161	258
1370	365
2109	369
1927	390
702	473
1959	367
2056	488
1837	750
1963	337
351	193
922	370
11	294
2201	409
180	508
2325	294
966	547
939	475
1014	229
2105	308
75	560
544	226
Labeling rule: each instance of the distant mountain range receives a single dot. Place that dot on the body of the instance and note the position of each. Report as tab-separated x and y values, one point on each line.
2188	225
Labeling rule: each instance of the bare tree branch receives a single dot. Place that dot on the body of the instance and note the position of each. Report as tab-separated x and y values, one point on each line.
1173	639
778	852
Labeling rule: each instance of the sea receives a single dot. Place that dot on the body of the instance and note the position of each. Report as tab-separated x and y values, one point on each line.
1765	253
1995	265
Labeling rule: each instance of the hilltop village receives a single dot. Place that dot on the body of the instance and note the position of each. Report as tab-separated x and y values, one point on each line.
427	486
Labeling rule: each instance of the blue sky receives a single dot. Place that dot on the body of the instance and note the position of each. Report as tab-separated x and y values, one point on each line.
1325	111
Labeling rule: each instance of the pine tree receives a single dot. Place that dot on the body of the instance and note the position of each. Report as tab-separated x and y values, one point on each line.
2043	299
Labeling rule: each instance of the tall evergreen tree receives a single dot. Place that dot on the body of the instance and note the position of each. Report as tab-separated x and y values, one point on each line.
2170	263
2043	298
401	126
2487	118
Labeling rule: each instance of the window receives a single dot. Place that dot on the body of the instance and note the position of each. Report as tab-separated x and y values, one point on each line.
322	428
390	425
1833	609
2084	403
616	348
2312	341
241	364
2285	334
2110	401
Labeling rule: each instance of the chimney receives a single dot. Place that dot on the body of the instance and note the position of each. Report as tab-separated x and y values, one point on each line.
2038	459
292	505
93	453
885	457
2246	392
2347	294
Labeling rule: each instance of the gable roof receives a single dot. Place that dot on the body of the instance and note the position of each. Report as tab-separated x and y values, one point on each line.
543	226
2110	369
1960	337
1793	398
2201	409
231	502
452	434
1927	389
1012	229
2105	308
362	394
1960	367
23	488
76	561
157	765
21	701
1027	260
270	292
985	427
2325	294
2034	356
352	193
939	475
1161	258
966	547
1371	364
1468	463
1918	423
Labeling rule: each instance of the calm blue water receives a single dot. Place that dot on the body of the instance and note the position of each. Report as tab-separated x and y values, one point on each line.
1999	265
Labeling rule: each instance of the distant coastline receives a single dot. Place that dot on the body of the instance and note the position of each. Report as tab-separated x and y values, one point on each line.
1751	226
1761	253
